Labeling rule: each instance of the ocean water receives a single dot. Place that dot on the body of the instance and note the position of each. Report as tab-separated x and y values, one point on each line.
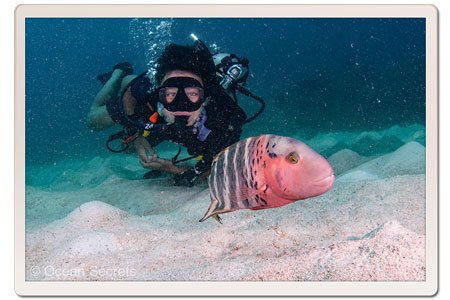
356	84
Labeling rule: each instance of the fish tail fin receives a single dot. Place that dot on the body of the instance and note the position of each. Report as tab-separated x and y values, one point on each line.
211	209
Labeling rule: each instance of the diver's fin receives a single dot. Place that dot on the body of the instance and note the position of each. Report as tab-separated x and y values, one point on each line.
126	68
211	209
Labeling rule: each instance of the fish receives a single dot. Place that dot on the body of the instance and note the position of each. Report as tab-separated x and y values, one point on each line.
263	172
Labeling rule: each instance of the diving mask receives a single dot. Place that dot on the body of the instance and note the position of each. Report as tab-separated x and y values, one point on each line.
181	94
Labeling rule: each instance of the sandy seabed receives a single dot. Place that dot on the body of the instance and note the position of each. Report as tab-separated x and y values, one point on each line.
369	227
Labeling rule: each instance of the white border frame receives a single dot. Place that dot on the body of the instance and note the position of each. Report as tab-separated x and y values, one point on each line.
233	288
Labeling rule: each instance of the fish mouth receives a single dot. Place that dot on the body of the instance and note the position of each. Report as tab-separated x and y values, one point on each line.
326	182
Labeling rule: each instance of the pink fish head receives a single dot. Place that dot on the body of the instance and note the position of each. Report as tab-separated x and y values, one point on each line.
295	171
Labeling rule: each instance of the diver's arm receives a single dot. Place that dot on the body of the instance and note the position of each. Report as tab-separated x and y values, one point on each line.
156	163
146	153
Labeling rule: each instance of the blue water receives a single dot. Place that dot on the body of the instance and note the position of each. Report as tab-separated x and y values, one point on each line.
317	75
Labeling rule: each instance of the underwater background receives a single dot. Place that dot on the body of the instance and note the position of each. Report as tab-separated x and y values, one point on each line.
354	84
316	75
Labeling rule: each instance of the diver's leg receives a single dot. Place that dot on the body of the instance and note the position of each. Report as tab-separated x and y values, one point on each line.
98	117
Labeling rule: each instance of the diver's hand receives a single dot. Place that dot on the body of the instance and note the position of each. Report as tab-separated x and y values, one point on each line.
156	163
142	147
186	178
153	163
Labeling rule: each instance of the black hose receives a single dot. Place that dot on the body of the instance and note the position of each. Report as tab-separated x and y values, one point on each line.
174	159
247	93
116	136
184	159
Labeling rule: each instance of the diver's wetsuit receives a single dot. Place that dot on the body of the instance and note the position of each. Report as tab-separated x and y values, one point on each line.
141	89
224	121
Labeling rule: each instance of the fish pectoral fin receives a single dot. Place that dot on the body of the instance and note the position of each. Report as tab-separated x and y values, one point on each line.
245	194
251	193
264	188
218	218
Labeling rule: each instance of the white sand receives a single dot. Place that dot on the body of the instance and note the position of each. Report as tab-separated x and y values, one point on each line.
408	159
345	160
361	230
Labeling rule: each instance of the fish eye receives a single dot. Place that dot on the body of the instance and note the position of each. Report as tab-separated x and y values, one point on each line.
293	157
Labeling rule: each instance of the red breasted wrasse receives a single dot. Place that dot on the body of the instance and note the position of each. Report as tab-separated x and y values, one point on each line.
266	171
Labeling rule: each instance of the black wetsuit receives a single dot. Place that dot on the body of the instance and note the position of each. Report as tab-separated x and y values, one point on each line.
141	89
224	121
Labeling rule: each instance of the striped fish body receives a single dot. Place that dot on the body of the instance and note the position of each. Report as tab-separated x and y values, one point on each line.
255	173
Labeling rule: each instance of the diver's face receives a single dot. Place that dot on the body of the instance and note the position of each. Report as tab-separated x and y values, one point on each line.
181	91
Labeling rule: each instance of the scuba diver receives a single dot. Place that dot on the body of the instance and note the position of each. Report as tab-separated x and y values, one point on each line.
193	103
